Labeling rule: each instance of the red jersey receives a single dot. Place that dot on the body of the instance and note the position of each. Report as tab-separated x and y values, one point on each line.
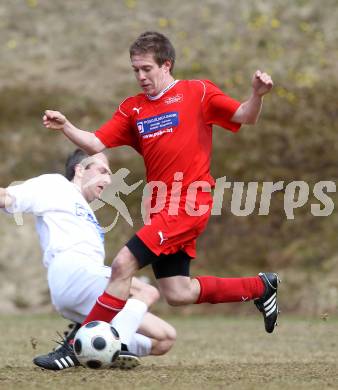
173	132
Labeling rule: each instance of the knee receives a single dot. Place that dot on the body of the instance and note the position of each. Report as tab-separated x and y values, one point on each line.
118	268
171	334
144	292
122	267
148	294
164	345
152	293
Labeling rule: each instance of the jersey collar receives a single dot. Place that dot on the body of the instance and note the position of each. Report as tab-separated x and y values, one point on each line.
166	89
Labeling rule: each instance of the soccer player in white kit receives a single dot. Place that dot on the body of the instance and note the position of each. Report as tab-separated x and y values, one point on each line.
72	242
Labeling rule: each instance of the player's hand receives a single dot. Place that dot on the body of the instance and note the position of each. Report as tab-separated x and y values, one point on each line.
261	83
54	120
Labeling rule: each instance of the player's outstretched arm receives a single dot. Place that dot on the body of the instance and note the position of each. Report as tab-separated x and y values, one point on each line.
248	112
83	139
6	200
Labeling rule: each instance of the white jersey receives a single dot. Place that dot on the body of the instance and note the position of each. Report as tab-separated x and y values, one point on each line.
64	220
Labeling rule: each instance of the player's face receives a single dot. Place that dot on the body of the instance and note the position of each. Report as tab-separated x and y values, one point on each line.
95	177
151	77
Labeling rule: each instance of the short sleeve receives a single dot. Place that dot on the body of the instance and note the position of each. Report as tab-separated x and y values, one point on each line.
26	196
219	108
118	131
37	195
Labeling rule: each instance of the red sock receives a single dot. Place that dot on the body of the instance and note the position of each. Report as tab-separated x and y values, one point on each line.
220	290
105	308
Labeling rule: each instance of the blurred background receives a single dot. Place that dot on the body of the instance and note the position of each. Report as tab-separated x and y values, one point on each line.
72	56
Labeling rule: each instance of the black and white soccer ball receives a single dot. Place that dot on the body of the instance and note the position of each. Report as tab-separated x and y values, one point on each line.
97	345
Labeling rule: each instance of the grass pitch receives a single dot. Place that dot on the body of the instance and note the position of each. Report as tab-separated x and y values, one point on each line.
212	352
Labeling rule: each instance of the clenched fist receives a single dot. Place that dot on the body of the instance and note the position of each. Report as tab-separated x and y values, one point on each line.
54	120
261	83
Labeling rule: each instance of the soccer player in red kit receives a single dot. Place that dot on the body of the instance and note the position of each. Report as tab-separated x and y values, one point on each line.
170	125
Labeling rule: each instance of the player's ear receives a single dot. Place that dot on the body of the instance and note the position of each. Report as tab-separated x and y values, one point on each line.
167	65
79	169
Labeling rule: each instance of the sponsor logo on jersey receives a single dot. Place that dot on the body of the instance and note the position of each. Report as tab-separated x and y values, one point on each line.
174	99
83	212
160	123
140	127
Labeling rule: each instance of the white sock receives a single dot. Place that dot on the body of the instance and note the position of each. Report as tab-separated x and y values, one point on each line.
129	319
140	345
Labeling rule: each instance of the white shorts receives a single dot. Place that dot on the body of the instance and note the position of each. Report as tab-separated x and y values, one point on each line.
75	282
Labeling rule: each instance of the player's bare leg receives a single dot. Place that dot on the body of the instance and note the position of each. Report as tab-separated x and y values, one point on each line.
182	290
163	335
179	290
155	341
114	298
144	292
123	268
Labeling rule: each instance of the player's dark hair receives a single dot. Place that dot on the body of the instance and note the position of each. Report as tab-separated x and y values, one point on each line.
72	161
156	44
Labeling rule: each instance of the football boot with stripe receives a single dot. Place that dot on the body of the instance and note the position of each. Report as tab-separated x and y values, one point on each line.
267	304
63	356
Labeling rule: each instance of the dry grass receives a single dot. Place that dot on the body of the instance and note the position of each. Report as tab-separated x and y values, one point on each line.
211	352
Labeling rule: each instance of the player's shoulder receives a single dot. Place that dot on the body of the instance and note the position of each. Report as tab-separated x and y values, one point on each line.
206	87
202	83
196	82
52	177
46	183
51	180
199	87
126	107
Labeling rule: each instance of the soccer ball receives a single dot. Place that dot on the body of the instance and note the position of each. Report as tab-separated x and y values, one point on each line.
97	345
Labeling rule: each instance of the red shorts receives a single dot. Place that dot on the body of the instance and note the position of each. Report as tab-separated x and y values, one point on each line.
168	234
